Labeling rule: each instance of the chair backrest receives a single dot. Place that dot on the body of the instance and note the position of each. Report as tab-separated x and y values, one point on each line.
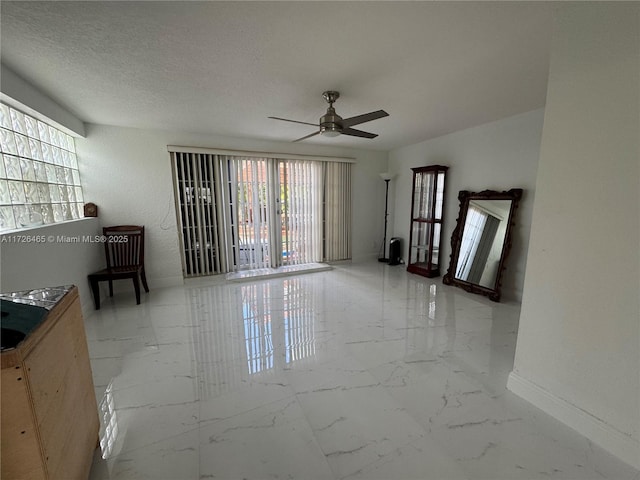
124	245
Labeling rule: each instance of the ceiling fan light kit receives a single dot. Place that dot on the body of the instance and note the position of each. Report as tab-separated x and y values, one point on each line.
331	124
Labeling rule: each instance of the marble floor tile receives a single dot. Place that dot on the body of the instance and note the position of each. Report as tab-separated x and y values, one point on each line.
360	372
173	457
268	442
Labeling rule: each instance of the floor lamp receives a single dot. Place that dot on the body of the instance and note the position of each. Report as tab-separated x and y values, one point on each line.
386	177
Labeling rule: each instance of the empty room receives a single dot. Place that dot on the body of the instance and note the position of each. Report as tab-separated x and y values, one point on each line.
320	240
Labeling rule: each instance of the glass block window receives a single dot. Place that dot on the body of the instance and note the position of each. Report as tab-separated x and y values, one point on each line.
39	178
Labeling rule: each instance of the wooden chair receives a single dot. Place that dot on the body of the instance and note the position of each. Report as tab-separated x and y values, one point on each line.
124	249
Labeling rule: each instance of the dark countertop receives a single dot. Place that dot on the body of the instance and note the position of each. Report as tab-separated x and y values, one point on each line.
22	312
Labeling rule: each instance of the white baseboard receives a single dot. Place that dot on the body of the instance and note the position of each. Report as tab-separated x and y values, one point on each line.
601	433
360	258
161	282
154	282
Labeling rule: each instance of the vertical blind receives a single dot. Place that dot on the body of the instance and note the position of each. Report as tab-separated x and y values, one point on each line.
337	211
301	212
239	212
200	191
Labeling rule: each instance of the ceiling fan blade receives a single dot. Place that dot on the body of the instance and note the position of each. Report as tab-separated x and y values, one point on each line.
294	121
358	133
366	117
306	136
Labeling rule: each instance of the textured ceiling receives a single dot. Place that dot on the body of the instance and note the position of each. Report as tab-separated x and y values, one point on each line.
224	67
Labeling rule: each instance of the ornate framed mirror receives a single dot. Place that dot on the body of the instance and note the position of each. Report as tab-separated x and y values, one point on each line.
481	241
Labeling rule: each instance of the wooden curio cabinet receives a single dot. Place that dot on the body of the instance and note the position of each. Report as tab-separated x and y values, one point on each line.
427	203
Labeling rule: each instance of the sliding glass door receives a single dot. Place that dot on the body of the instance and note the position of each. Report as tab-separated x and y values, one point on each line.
279	212
301	211
255	236
238	213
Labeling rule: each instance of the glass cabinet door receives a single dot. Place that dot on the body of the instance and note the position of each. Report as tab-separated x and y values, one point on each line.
420	234
427	205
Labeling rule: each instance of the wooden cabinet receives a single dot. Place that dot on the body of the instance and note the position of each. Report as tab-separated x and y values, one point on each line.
427	203
49	413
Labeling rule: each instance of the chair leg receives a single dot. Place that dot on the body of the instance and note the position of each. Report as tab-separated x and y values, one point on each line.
111	288
136	287
95	288
143	276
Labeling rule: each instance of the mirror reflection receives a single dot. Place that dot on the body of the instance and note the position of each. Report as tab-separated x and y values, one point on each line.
482	241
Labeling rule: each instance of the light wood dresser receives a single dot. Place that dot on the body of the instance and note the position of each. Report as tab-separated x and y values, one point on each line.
49	414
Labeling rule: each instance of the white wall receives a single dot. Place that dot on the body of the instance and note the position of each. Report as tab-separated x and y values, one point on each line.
127	173
577	353
58	260
498	156
52	263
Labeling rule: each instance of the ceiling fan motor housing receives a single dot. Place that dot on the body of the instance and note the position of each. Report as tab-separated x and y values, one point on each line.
331	123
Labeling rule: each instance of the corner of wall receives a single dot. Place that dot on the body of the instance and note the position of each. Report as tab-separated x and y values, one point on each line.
20	94
609	438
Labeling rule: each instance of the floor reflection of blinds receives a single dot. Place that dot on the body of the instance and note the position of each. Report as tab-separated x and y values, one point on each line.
210	337
258	327
298	319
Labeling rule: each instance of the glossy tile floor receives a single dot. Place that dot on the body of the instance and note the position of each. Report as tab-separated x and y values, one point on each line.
362	372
